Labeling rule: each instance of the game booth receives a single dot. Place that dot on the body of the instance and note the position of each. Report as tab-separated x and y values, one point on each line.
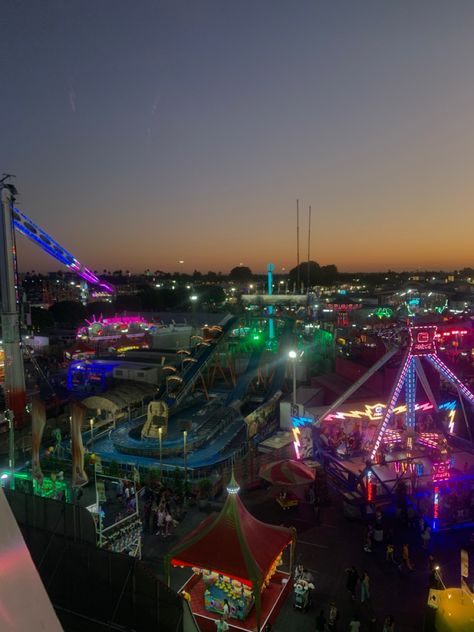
235	559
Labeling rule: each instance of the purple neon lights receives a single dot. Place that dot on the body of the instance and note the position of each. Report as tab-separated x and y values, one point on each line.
448	374
31	230
392	404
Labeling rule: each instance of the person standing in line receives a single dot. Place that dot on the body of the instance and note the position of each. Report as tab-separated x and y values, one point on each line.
364	587
352	579
321	622
333	616
354	624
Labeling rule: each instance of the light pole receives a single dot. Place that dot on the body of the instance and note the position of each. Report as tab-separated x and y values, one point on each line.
185	436
292	355
160	437
92	434
193	298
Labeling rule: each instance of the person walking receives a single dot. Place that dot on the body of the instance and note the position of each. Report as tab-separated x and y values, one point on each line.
354	624
368	540
333	617
161	521
321	622
406	557
426	537
352	579
364	587
168	523
389	551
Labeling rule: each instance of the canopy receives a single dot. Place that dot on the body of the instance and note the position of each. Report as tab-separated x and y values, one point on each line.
287	472
233	543
120	397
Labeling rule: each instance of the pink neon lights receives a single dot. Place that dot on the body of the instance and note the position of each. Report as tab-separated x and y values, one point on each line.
440	365
436	503
391	406
370	487
422	340
453	332
440	471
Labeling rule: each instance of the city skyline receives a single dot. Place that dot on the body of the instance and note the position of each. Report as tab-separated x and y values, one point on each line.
144	135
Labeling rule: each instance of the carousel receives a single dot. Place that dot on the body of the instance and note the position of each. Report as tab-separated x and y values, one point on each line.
235	558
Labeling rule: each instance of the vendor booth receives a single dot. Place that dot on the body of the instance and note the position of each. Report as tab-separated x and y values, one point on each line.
234	558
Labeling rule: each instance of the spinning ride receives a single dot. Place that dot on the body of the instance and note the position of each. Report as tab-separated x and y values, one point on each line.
407	441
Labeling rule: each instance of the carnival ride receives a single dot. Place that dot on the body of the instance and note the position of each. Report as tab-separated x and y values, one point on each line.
10	219
193	421
370	453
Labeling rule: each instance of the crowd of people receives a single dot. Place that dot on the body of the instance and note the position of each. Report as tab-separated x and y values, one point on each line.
162	510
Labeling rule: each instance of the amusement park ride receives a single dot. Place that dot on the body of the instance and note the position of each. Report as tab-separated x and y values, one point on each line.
396	440
11	218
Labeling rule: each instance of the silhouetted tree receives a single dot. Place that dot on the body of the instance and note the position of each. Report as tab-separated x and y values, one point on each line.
68	312
240	274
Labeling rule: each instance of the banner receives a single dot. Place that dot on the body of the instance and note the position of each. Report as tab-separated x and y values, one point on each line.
38	422
79	477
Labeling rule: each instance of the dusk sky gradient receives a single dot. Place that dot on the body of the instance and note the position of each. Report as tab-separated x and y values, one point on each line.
146	132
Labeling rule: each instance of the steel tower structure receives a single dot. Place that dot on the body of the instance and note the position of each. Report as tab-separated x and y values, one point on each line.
11	218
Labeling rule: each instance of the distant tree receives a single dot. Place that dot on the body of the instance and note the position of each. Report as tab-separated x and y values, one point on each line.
240	274
211	296
211	275
318	275
197	274
68	312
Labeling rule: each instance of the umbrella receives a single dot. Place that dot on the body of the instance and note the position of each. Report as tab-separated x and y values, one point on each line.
287	472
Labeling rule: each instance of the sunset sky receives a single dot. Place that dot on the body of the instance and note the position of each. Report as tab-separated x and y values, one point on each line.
146	132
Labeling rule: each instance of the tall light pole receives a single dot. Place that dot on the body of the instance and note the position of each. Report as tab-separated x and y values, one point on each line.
194	299
160	437
92	433
292	355
185	436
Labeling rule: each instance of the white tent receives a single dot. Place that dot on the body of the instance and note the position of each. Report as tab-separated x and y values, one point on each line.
24	603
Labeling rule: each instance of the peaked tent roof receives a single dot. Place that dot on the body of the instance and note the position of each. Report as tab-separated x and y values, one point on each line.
233	543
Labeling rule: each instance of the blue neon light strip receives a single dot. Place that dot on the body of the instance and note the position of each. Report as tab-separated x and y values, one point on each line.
410	389
31	230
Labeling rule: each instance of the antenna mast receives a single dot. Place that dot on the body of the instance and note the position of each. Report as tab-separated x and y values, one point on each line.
298	289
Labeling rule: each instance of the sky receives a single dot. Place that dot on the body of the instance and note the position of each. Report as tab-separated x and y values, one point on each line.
150	132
